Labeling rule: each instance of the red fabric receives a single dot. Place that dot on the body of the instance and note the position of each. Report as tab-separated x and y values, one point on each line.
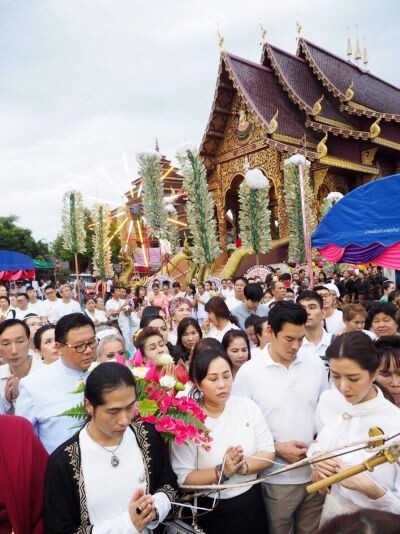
23	461
17	275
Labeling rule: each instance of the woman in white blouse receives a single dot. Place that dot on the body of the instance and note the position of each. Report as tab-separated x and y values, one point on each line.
345	414
242	446
220	320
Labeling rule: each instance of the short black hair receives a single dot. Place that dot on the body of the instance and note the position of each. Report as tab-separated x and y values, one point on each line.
23	295
5	297
49	286
30	288
150	310
310	295
387	308
107	377
251	320
253	292
69	322
147	319
236	278
286	312
8	323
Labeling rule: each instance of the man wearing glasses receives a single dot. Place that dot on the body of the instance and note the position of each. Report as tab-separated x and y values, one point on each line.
48	393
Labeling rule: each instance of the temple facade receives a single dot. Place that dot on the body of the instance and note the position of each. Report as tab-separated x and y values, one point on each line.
344	119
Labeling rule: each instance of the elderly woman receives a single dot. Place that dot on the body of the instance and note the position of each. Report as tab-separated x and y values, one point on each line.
179	308
109	346
45	344
242	447
382	319
114	475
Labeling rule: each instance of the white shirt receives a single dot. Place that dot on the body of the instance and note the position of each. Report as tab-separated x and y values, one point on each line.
201	313
50	309
9	407
341	423
109	489
44	395
228	293
219	334
233	302
21	314
288	398
113	304
334	322
241	423
64	308
98	315
37	308
307	347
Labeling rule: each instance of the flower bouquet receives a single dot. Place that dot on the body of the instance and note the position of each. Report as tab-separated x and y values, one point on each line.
179	419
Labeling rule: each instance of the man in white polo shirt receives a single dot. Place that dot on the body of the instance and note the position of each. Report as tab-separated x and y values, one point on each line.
317	339
287	386
66	304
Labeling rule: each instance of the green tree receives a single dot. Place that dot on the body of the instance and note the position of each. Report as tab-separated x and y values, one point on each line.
18	239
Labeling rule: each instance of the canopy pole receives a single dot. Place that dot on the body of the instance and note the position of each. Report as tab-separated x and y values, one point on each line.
307	239
77	278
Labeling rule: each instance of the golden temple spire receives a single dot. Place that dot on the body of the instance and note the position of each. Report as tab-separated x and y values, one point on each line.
365	56
157	148
357	53
299	28
264	34
221	40
349	49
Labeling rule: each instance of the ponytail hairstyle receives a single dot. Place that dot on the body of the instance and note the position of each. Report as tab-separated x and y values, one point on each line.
218	307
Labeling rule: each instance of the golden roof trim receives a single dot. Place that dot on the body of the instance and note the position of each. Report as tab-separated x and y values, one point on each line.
336	124
350	165
375	129
317	108
322	149
289	139
386	142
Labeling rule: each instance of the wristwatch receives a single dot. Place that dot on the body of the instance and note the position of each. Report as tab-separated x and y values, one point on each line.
220	474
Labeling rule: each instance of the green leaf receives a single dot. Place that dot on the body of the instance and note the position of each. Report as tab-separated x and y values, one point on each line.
147	407
78	412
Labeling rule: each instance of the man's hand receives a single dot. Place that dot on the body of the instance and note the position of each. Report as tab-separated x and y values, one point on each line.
147	506
11	390
291	451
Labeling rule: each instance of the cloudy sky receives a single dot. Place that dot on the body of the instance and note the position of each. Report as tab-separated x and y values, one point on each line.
83	82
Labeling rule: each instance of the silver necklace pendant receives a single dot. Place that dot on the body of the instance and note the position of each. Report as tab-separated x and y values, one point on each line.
114	460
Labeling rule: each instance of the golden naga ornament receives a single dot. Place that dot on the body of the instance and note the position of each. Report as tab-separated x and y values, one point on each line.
374	129
317	108
322	149
349	94
273	123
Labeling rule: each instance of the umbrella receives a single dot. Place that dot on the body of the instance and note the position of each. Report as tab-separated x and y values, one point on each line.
364	226
14	266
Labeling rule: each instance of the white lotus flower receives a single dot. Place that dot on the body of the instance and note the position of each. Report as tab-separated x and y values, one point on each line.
167	381
165	359
139	372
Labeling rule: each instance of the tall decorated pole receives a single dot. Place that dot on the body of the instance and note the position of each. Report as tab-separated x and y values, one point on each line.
154	212
254	214
199	208
299	200
101	242
74	233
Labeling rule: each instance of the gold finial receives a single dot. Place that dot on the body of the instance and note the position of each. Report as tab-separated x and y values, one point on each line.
322	149
349	50
316	110
264	34
221	40
273	123
374	129
299	27
157	147
357	54
365	56
349	94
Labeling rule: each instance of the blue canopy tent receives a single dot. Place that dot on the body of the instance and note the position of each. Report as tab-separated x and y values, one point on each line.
364	226
14	266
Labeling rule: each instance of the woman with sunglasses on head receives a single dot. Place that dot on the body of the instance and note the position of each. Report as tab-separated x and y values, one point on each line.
113	475
242	447
346	414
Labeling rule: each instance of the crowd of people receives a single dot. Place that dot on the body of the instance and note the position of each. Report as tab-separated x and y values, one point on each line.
284	370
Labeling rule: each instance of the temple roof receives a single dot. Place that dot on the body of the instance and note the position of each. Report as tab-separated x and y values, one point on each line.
372	97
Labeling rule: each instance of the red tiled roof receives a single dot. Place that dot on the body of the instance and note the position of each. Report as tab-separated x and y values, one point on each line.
262	90
337	74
